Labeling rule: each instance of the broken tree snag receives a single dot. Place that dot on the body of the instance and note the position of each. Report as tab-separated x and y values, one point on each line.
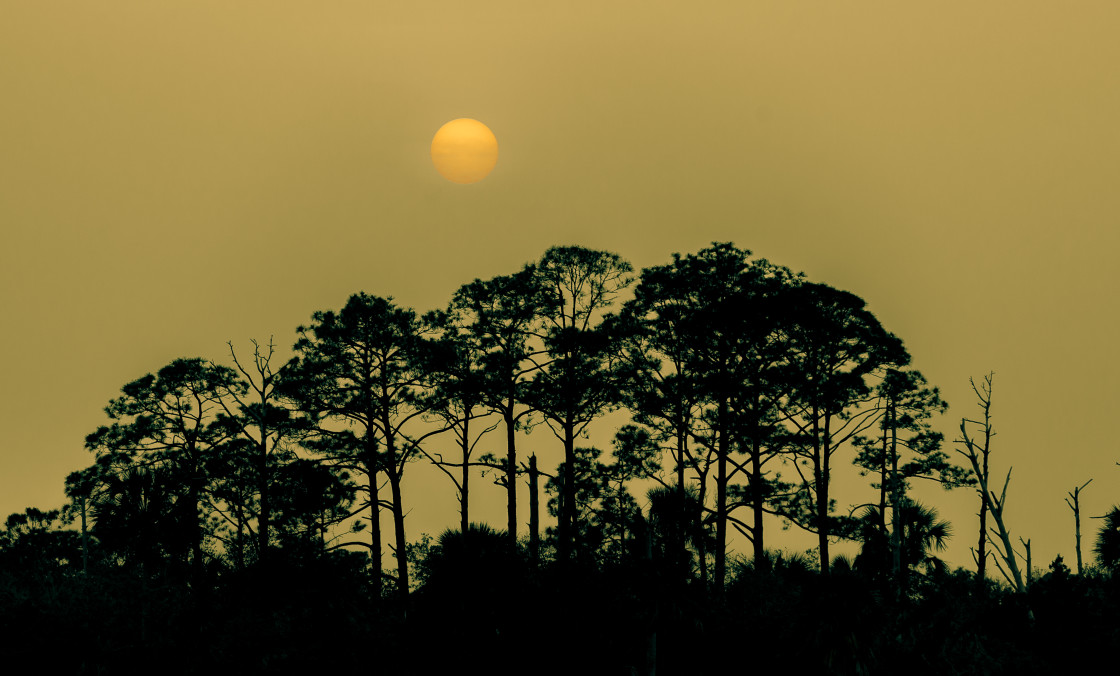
977	454
1076	507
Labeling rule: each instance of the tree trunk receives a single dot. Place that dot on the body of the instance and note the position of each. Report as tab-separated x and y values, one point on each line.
982	546
702	531
374	512
264	520
239	546
568	503
534	514
883	480
394	470
1077	526
901	570
195	497
680	528
85	537
721	500
511	472
760	558
398	526
464	490
820	477
1076	507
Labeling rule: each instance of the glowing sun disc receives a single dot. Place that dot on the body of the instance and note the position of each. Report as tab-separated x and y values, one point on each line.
464	151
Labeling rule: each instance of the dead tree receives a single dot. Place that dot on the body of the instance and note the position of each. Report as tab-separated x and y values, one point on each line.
1027	558
977	454
1076	507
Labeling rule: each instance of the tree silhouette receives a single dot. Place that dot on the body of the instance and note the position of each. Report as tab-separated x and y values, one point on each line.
499	315
457	398
907	405
1107	547
362	367
977	453
678	531
576	384
835	344
172	420
1075	495
728	366
266	429
703	345
916	534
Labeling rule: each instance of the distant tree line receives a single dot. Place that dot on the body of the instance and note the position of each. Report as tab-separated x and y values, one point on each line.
246	500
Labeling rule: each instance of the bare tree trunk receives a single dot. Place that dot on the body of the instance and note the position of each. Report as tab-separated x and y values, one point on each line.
464	489
821	477
900	570
374	532
568	494
239	546
1076	507
374	513
1008	553
681	529
702	545
721	500
982	546
85	537
534	514
511	471
883	480
756	484
398	527
264	520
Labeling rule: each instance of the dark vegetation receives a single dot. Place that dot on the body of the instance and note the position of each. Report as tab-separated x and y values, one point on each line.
231	519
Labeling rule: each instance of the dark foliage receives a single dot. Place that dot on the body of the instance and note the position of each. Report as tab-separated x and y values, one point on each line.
210	534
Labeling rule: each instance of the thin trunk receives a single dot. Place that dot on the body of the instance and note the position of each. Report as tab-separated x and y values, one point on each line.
756	484
680	537
702	531
1008	553
511	472
398	527
534	514
900	570
883	478
1077	526
239	546
820	478
374	511
982	546
721	499
568	494
1076	507
85	538
196	530
392	465
374	534
464	491
264	521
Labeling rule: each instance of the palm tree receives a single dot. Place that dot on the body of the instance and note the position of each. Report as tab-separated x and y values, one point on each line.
677	528
1107	547
922	533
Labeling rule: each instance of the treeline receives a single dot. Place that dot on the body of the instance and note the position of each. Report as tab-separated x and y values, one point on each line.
239	508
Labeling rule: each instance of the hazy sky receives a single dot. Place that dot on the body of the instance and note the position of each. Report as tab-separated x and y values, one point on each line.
175	175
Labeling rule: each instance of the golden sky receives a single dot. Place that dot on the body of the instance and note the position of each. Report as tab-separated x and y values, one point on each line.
174	175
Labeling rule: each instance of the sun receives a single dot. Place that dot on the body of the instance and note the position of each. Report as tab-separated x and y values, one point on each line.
464	151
